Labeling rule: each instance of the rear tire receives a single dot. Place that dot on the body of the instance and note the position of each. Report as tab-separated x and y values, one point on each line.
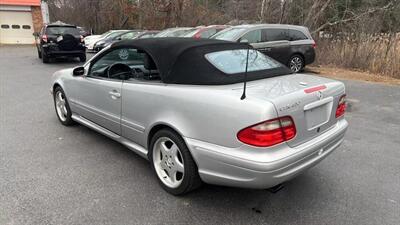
296	63
45	58
172	163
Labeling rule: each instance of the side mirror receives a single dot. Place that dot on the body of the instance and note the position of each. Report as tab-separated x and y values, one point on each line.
78	71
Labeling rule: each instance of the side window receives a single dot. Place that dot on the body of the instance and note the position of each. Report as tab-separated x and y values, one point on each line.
5	26
15	26
252	36
295	35
208	33
127	56
275	35
128	35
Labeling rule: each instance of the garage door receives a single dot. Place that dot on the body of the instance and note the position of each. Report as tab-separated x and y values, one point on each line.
16	27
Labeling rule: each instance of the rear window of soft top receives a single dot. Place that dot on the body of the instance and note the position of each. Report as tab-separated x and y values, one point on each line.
234	61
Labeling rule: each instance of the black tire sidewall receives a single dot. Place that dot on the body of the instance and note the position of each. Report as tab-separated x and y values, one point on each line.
191	179
45	57
68	121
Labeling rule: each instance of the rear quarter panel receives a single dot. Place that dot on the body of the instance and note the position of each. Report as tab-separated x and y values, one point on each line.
213	114
304	48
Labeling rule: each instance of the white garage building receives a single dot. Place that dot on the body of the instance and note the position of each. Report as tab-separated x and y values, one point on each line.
19	19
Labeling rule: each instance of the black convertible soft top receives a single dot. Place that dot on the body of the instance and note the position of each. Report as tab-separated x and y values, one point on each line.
182	60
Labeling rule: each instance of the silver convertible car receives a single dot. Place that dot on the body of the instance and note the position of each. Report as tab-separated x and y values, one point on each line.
205	111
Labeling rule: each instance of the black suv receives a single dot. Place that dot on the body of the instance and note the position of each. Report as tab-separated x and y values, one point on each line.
60	40
291	45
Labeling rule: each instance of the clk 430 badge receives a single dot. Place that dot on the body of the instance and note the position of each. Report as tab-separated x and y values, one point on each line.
290	107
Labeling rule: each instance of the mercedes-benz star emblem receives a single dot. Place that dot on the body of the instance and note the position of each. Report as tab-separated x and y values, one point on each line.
319	95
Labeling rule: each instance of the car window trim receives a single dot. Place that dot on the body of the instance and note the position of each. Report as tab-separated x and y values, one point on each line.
102	78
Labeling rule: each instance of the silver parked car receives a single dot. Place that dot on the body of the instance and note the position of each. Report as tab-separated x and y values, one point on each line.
182	105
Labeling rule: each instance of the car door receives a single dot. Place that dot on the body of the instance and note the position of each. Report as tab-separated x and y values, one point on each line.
275	44
99	97
136	103
254	38
258	39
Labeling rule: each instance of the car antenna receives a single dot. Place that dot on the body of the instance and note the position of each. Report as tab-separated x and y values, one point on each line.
245	75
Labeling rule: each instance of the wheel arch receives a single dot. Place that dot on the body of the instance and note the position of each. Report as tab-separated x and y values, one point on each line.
165	125
59	83
55	85
299	54
159	126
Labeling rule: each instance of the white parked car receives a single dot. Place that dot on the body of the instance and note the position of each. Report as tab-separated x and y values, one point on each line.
90	41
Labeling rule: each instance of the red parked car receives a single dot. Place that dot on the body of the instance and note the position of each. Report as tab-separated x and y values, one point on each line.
205	31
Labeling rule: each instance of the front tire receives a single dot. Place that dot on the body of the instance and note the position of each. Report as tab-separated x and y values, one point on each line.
172	163
62	108
296	63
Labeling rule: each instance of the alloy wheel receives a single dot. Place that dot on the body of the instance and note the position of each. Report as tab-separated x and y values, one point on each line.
168	162
296	64
61	106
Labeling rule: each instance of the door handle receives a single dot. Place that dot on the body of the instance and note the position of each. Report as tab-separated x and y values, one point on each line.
114	94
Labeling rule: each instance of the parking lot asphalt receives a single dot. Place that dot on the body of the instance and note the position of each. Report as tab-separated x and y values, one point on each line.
51	174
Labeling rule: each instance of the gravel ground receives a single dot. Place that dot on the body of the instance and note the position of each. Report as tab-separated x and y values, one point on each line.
51	174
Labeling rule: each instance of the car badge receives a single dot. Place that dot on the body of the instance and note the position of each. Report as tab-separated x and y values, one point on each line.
123	54
320	95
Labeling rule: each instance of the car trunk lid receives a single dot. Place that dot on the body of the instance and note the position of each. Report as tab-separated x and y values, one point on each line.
311	101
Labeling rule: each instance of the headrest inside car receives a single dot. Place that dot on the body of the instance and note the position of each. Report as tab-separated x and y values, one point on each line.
149	63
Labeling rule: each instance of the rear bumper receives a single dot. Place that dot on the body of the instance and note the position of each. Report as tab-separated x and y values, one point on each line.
55	51
266	167
66	53
309	56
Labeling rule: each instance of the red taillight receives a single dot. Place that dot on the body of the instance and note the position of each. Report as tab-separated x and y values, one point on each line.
268	133
341	109
314	45
44	38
